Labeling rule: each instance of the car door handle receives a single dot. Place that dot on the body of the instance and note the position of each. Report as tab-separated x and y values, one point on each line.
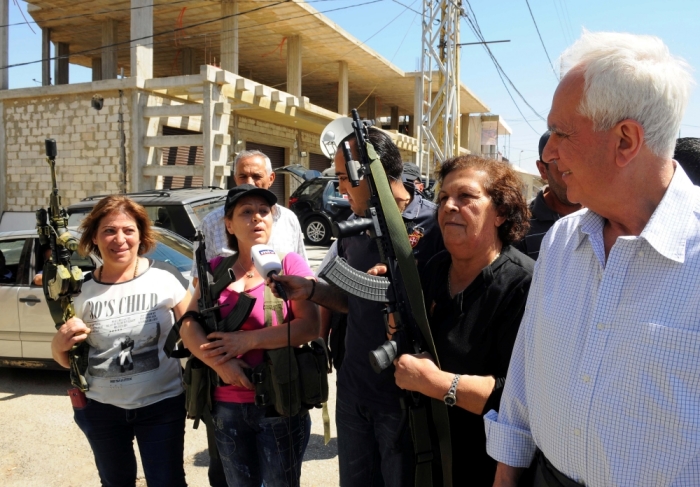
30	299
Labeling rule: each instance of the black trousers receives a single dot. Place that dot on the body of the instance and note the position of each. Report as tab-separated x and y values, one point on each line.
546	475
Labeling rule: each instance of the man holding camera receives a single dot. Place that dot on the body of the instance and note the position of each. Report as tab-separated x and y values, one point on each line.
373	436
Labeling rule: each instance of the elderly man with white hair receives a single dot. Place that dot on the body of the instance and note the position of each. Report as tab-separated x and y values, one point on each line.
253	167
604	377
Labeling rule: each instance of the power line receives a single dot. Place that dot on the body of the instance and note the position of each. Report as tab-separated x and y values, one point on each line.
101	12
499	70
126	9
180	29
541	41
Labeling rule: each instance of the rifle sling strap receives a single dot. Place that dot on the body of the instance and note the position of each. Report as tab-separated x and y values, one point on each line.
411	279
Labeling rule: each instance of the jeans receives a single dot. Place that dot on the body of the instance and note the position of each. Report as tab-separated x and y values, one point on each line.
255	449
374	446
159	429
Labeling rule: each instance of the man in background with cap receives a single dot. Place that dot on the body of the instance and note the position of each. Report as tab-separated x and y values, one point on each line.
249	167
411	175
549	205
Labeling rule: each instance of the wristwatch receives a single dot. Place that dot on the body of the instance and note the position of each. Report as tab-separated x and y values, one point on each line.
451	396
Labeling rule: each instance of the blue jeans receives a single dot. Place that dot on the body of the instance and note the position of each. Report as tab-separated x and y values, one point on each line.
374	445
255	449
159	430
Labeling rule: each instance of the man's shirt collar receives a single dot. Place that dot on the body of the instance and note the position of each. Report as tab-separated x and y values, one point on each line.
666	230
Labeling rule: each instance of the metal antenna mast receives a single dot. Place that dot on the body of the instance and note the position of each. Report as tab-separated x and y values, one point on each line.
438	137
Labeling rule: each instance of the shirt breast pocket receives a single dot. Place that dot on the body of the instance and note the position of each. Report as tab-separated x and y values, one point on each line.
667	374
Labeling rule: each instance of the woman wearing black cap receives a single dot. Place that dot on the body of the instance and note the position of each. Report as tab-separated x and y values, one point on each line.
253	441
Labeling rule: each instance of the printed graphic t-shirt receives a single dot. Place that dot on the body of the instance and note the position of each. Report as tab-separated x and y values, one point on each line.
292	264
130	321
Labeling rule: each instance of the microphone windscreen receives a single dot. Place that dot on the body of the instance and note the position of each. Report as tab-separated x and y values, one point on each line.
265	260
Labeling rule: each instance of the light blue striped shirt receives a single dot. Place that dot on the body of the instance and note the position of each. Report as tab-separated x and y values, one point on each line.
605	373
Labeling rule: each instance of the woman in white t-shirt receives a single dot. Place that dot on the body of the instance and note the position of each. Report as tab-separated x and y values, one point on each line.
254	442
125	314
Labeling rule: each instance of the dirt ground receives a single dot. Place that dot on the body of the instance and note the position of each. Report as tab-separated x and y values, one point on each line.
42	446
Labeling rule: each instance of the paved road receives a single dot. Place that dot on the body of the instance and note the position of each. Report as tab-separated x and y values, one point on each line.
41	445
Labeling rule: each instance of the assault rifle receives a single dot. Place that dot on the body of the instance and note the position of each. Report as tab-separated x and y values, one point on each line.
208	315
61	281
400	290
200	379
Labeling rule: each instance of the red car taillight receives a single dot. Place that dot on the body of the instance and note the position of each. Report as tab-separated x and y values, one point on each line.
293	200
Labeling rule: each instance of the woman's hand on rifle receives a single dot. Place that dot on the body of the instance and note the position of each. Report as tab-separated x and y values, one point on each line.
232	372
71	333
228	345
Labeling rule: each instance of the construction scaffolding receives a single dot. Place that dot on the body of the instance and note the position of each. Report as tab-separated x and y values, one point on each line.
438	137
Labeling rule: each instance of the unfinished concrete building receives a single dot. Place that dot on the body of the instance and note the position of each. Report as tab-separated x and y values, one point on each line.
189	83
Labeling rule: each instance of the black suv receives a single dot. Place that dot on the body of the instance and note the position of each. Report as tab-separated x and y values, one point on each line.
317	203
178	210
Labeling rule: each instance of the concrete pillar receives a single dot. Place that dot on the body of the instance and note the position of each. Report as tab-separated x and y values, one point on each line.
187	61
294	66
372	108
417	104
142	33
109	54
45	57
464	130
229	36
97	69
343	90
394	118
4	43
61	63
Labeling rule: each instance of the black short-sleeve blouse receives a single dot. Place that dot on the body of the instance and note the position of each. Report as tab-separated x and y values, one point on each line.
474	334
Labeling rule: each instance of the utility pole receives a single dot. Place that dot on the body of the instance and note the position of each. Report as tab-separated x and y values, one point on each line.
438	137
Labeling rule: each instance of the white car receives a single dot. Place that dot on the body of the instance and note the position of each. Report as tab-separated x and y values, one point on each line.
26	327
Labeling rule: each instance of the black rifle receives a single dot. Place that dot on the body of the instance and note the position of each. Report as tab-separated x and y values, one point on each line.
209	316
199	379
400	291
61	281
210	291
391	289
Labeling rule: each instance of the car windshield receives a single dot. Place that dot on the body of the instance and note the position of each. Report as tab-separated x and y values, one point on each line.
173	250
203	210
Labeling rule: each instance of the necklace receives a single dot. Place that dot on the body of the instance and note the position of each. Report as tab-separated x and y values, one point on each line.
248	274
136	269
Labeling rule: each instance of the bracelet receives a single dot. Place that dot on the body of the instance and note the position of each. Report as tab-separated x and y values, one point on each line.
313	289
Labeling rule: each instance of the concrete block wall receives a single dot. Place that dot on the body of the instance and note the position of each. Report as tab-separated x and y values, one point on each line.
87	142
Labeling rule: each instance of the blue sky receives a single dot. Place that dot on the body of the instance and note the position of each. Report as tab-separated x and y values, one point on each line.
394	31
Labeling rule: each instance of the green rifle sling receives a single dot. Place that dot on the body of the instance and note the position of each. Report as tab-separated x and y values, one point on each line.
411	279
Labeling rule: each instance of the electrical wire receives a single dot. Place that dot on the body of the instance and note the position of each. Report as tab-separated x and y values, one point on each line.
178	29
125	9
474	26
527	2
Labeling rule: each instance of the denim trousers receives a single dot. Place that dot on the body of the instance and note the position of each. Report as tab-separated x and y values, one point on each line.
374	445
159	429
254	449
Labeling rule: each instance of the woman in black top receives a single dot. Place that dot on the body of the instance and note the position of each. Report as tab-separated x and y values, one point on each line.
475	294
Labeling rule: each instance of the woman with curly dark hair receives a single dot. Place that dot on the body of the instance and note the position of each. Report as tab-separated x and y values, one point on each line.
475	294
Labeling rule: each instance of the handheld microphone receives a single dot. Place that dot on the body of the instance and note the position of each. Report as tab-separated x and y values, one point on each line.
267	264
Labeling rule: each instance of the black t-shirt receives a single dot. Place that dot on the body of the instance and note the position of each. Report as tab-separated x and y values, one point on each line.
474	334
541	220
366	329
